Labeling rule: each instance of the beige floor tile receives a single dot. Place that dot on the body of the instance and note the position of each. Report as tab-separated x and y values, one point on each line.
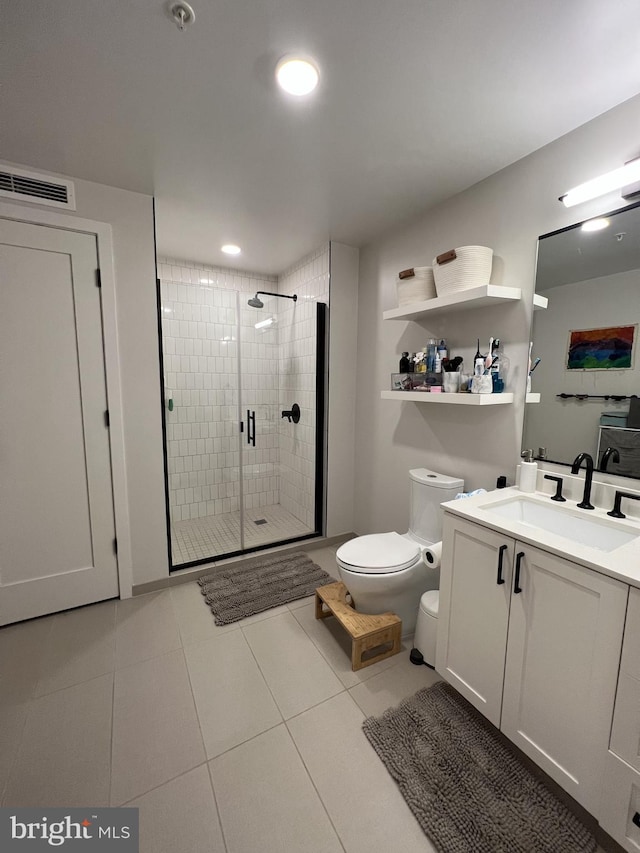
22	650
297	674
391	686
266	614
13	716
278	809
363	802
145	628
301	602
155	728
334	644
180	816
195	619
244	707
326	559
65	755
81	646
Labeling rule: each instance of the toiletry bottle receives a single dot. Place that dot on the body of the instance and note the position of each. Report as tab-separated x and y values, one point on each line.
404	363
431	355
413	367
528	472
421	366
442	349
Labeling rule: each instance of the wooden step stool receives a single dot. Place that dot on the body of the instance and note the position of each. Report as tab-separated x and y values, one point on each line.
367	632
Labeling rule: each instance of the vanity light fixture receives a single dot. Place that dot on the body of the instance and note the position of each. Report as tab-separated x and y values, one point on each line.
297	76
616	180
231	249
595	224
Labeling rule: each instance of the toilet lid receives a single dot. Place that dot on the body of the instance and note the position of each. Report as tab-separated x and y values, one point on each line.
378	553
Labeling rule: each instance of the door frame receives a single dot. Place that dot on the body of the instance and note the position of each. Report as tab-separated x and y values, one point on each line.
104	243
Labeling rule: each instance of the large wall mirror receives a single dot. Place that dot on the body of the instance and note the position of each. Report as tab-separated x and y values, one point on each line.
587	339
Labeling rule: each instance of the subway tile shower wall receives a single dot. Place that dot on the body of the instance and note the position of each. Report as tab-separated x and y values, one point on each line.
199	320
200	307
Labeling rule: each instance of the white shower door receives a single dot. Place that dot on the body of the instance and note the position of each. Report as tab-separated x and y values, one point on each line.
56	501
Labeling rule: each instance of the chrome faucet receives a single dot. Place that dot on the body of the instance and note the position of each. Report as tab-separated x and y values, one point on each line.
585	503
610	453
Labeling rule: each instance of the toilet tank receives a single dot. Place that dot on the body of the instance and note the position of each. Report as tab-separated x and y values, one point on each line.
428	490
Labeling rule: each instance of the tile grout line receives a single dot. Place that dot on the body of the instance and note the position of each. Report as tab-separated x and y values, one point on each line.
310	777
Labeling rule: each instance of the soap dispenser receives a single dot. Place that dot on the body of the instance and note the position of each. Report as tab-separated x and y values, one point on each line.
528	472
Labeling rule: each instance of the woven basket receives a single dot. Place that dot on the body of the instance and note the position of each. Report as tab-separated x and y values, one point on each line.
460	269
418	288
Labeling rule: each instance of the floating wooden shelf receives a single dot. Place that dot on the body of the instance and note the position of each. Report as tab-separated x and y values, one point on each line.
475	297
448	399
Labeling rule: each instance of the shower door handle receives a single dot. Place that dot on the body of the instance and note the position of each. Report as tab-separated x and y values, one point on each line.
251	427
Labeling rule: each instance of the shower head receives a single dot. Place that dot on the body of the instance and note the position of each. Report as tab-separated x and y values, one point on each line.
256	302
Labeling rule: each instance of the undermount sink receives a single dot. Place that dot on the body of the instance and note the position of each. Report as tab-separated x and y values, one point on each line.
592	532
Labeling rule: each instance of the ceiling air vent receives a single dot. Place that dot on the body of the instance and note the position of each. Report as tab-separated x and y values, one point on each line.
19	185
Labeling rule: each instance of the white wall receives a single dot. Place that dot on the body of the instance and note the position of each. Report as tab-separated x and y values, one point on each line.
309	280
507	211
566	427
131	218
343	381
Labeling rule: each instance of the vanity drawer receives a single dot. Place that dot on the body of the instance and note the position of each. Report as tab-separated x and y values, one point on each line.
630	662
625	733
620	808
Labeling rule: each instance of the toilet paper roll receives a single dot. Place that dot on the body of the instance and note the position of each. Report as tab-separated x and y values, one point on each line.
432	555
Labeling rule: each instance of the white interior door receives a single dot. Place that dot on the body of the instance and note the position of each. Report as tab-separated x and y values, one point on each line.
56	499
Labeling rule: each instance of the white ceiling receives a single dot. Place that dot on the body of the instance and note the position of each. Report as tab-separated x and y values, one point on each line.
418	100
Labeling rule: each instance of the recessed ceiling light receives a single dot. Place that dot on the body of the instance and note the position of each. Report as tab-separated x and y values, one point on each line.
231	249
595	224
297	76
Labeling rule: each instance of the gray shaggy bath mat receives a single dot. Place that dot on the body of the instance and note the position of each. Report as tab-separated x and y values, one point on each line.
237	591
467	789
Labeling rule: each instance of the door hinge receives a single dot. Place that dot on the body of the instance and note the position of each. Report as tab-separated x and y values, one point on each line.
107	419
98	279
115	544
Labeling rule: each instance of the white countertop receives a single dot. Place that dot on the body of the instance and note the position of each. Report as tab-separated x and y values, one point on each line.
623	563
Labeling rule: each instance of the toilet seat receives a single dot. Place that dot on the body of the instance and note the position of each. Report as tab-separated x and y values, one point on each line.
379	553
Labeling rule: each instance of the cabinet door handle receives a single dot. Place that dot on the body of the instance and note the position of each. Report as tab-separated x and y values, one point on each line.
516	583
501	551
636	819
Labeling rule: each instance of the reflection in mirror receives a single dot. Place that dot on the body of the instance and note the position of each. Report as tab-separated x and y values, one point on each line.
587	340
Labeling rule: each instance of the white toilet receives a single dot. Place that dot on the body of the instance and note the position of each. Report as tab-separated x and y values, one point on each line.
387	571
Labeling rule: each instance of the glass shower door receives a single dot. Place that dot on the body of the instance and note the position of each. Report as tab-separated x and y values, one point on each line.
243	412
201	396
278	375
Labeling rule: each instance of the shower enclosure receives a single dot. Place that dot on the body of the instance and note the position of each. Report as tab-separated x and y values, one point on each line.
243	414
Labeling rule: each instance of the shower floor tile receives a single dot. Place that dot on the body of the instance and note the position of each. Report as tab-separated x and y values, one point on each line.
210	536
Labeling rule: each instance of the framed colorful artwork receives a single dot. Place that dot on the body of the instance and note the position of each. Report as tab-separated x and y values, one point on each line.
609	348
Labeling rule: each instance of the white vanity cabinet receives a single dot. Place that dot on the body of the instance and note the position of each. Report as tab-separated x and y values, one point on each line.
538	654
620	809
